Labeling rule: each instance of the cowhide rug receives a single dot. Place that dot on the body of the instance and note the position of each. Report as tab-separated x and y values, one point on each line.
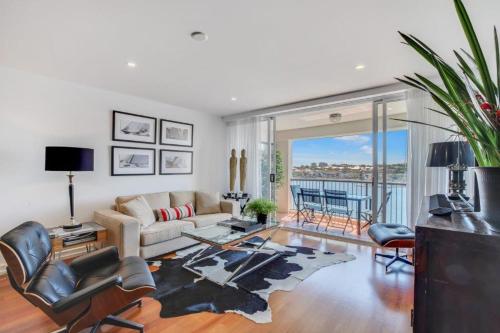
182	292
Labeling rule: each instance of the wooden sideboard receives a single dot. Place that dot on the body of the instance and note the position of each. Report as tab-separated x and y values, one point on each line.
457	274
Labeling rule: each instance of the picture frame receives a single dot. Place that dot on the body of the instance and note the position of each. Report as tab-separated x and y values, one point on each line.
133	161
176	133
130	127
176	162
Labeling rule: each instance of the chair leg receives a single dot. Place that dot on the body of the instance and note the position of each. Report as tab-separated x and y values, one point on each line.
388	256
328	224
347	222
297	215
321	220
309	216
119	322
394	258
305	218
368	222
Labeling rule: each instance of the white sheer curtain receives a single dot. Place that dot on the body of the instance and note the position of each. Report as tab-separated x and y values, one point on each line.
423	181
245	134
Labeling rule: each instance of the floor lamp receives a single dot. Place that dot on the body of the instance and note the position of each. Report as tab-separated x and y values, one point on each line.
69	159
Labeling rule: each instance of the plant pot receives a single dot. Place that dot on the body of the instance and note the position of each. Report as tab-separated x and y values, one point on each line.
488	181
262	218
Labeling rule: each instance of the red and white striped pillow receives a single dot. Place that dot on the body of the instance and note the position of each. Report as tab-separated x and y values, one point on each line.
175	213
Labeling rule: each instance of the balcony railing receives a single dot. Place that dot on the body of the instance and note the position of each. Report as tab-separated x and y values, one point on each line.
396	207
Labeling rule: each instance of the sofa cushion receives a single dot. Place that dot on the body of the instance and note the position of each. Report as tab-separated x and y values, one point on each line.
155	200
158	200
180	198
207	203
119	201
208	219
163	231
139	209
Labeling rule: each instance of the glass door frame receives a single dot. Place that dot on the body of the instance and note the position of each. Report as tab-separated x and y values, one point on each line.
269	174
379	110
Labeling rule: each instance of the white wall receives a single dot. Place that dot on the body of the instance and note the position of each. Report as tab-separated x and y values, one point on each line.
36	111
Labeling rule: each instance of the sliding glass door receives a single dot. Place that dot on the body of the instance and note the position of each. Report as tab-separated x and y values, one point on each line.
268	157
389	151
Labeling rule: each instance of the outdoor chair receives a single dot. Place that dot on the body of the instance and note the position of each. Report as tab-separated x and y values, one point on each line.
312	202
295	189
336	205
367	215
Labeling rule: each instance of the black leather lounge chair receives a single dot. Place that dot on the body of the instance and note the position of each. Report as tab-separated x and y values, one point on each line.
89	292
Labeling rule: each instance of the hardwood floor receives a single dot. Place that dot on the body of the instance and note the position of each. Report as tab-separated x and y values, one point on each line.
289	221
353	297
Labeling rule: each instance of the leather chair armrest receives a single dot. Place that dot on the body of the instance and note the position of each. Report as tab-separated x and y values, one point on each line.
230	206
86	293
102	257
123	231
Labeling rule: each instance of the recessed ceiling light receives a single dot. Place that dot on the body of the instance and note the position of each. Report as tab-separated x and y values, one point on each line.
359	67
335	117
199	36
234	99
131	64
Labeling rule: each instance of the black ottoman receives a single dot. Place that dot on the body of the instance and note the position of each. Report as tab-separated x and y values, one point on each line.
394	236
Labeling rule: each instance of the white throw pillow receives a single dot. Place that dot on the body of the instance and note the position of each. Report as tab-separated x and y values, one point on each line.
140	209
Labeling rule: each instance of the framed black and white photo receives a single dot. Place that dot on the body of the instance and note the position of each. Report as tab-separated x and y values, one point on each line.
176	162
175	133
131	161
131	127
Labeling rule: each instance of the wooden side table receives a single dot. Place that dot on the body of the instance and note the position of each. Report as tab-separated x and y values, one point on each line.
92	236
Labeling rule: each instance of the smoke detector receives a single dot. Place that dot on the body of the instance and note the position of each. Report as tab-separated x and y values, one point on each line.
335	117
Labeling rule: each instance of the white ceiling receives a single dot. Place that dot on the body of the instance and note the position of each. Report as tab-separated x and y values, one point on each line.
322	117
263	52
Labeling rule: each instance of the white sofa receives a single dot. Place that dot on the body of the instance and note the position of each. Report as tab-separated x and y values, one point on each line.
133	239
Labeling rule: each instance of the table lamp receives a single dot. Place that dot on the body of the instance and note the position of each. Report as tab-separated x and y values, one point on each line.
69	159
456	156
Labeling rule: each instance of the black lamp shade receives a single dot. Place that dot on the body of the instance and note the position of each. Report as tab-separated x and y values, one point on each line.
443	154
69	159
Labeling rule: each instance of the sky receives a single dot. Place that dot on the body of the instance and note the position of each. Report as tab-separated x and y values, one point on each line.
352	149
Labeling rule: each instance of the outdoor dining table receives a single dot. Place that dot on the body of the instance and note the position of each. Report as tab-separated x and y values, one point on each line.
358	199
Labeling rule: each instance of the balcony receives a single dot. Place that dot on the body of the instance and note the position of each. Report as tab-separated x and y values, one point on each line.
395	211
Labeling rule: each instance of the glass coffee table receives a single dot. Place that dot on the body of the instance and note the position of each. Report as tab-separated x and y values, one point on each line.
221	237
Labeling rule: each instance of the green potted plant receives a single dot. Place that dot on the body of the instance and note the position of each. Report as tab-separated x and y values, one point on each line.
470	96
260	208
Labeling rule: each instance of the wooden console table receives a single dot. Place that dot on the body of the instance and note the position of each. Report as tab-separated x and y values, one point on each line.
457	265
57	237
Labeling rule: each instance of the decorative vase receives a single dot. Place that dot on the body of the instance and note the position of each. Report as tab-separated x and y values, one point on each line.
262	218
488	180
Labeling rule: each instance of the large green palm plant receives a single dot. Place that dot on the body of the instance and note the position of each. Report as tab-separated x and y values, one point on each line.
469	96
